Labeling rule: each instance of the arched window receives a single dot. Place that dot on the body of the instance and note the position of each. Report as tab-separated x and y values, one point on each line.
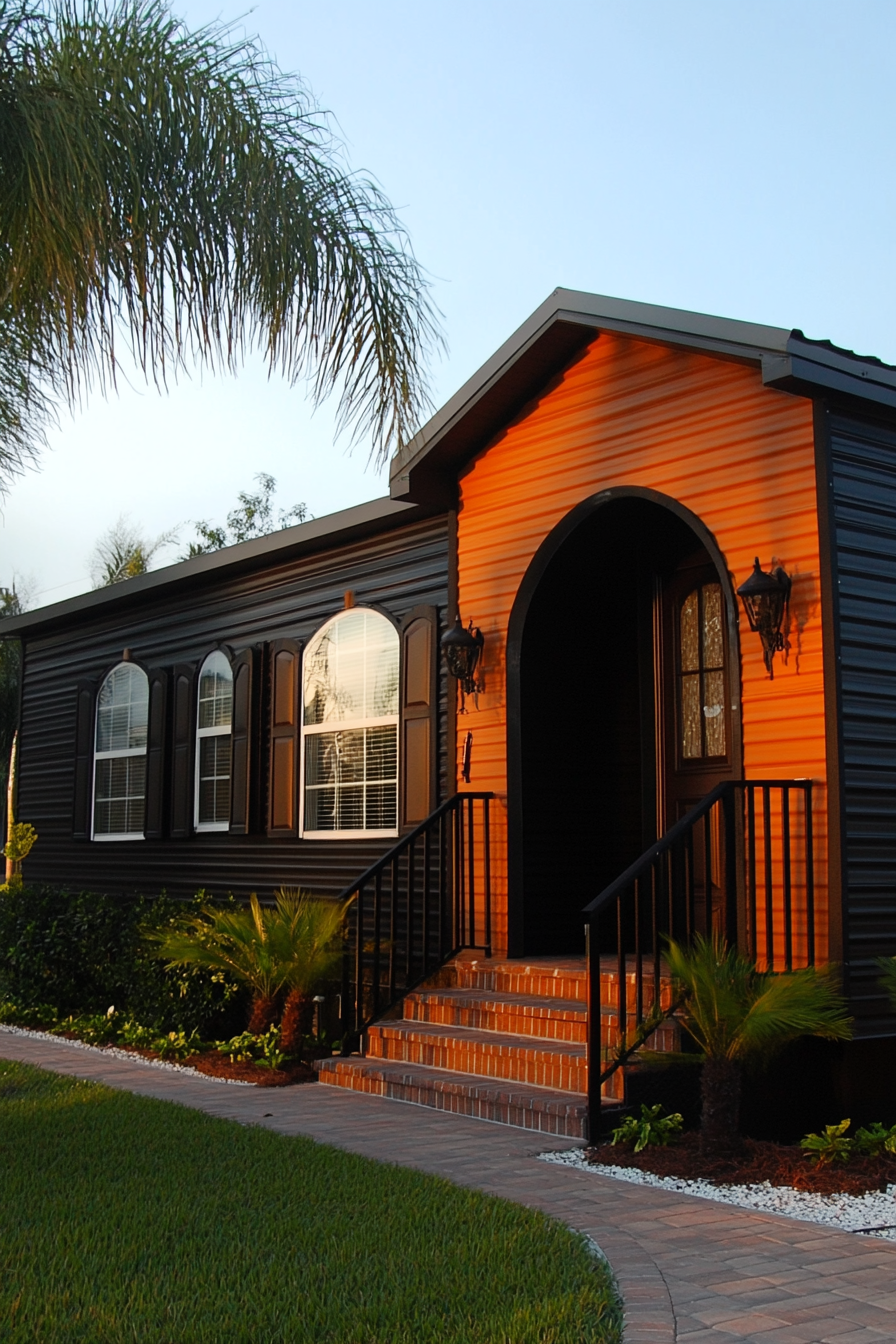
213	729
119	780
350	727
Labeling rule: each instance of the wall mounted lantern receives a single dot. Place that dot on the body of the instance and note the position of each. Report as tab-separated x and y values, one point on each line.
462	649
765	598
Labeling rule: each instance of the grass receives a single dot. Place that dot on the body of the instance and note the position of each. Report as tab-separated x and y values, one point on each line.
128	1219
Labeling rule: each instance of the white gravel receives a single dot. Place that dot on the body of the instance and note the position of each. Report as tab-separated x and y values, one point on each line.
114	1051
873	1214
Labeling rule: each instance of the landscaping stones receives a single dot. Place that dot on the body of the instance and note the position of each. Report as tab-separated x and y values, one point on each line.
873	1213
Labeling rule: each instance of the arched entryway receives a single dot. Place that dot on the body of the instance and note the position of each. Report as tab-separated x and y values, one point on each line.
623	702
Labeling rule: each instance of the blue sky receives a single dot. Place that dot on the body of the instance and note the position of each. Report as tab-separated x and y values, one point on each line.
729	157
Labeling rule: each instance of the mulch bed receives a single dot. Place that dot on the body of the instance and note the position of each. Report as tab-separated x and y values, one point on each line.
219	1066
216	1065
777	1163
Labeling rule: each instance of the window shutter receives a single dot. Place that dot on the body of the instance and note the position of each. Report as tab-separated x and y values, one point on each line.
182	751
154	825
241	742
85	699
284	770
419	715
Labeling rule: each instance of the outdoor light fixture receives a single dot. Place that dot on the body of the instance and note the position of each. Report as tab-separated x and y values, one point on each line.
765	598
462	649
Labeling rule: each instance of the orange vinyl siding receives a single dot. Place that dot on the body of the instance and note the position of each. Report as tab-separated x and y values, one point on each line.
703	431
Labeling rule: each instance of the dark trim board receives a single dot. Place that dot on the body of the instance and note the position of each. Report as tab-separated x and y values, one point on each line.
830	632
858	476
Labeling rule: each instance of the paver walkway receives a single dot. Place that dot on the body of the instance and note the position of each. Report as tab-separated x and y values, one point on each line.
688	1269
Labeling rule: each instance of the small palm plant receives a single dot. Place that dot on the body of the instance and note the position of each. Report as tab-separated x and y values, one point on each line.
736	1014
237	942
309	934
292	946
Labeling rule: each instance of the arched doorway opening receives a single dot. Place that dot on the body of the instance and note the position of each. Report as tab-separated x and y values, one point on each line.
623	702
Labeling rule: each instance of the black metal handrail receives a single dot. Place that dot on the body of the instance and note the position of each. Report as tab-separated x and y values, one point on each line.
415	908
739	863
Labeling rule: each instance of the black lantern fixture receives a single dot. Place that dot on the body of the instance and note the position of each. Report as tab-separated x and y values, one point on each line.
462	649
765	598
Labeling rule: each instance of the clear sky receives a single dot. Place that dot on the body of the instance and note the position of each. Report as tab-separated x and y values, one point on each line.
729	156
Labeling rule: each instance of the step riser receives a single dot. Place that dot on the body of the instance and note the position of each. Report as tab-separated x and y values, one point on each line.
571	1124
539	1068
511	981
541	1026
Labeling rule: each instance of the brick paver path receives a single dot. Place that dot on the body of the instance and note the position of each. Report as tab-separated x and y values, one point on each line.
689	1269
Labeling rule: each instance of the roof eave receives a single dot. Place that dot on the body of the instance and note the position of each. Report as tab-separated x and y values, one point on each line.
318	534
426	469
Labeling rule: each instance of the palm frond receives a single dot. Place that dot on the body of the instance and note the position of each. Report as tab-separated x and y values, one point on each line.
888	977
733	1011
308	934
175	190
789	1005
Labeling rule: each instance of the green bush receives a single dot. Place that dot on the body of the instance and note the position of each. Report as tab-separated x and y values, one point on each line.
876	1140
651	1127
831	1145
83	952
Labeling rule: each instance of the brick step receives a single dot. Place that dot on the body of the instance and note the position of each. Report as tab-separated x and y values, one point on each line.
549	977
519	1014
546	1110
554	1064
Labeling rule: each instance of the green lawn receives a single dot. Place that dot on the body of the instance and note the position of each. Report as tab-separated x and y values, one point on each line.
126	1219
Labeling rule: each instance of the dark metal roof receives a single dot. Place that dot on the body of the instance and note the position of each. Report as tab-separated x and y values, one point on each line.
426	469
319	534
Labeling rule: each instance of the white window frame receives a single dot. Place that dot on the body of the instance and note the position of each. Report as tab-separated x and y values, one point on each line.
217	731
347	725
116	755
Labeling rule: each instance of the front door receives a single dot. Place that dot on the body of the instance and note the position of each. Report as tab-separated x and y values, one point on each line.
696	735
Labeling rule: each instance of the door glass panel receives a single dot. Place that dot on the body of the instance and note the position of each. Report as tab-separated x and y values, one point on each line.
691	736
690	634
701	674
714	712
712	626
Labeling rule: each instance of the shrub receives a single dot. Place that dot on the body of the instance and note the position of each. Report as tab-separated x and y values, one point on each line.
82	952
649	1129
831	1145
875	1140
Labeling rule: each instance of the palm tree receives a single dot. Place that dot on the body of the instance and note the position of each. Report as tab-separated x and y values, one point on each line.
293	945
236	942
735	1014
311	940
175	190
124	552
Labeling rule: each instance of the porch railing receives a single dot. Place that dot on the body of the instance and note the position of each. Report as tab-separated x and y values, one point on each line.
740	863
415	908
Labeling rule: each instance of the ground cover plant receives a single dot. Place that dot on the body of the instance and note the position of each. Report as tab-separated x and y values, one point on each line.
129	1218
651	1127
827	1163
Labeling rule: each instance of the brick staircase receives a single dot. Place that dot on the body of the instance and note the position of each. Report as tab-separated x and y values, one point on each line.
500	1040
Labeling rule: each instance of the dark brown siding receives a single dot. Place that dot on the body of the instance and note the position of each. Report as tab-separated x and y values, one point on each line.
399	570
863	491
